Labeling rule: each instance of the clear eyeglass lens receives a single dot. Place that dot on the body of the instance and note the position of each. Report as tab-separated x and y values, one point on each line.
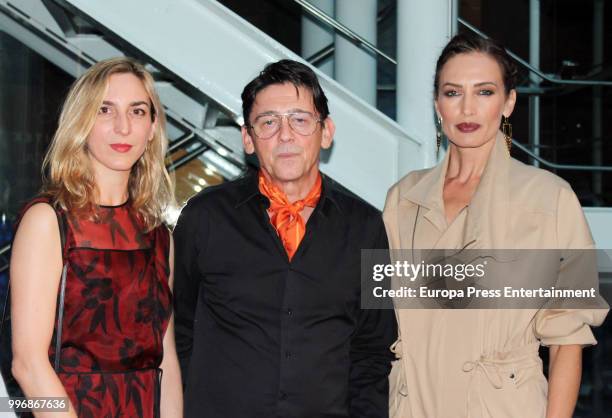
301	123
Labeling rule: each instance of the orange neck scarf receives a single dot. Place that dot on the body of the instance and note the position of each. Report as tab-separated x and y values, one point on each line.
285	216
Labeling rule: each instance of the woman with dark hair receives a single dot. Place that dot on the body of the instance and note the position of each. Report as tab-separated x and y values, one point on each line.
91	262
484	362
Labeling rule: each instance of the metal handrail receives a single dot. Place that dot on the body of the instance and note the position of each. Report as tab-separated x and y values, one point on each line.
3	251
535	70
547	163
330	21
191	155
179	142
173	166
321	55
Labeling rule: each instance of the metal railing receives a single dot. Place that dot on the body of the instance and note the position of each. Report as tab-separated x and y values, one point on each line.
323	17
3	252
574	167
322	54
326	51
535	70
174	146
554	80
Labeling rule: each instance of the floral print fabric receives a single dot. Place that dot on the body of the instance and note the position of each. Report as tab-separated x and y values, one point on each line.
117	307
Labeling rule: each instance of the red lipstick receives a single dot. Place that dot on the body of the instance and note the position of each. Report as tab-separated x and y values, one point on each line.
467	127
121	147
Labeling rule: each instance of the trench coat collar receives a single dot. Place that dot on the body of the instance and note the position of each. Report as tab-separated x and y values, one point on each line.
487	218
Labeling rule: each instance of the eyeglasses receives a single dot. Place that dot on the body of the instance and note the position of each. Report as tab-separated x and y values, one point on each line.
302	123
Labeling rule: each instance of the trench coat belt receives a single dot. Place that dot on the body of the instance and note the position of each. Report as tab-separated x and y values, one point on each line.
493	368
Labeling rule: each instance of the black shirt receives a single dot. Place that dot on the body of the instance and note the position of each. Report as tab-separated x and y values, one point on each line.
259	336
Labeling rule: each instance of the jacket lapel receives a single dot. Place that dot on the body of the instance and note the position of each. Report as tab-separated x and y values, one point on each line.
427	193
487	214
487	218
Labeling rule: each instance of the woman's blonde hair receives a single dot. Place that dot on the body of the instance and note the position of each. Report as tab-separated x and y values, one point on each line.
67	171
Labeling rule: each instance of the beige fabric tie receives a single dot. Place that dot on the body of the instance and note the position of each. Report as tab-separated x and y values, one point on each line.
494	368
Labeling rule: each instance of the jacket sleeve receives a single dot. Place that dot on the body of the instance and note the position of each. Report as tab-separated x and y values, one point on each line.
371	355
562	326
190	233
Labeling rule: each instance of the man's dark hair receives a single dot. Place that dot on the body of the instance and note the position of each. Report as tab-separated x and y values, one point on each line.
280	72
466	43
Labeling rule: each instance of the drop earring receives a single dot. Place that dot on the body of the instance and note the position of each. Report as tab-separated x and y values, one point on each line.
438	135
507	131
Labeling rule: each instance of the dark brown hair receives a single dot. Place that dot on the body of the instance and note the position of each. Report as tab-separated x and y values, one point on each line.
466	43
280	72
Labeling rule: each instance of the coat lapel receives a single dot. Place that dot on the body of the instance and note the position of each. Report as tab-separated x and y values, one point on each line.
487	215
487	218
427	193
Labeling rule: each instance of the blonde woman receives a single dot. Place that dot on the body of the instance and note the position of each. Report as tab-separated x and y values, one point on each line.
107	185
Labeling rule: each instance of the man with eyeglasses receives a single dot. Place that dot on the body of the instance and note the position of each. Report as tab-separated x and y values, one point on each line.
267	274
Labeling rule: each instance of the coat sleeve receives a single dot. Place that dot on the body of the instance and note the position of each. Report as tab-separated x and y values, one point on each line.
391	216
572	326
371	356
190	236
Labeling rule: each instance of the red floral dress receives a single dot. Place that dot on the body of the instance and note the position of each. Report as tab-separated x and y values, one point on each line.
117	307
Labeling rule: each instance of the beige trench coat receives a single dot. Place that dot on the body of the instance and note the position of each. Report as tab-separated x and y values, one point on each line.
483	363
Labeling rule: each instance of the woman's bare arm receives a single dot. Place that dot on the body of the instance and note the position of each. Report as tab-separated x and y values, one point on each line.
36	265
171	388
564	373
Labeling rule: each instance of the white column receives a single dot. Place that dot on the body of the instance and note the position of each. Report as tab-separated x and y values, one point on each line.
454	15
356	68
316	35
423	29
534	60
